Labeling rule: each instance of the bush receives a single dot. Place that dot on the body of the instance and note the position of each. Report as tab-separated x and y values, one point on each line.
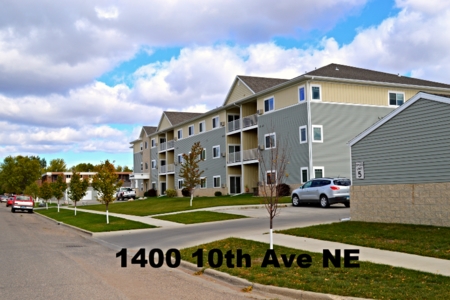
283	189
218	193
171	193
150	193
185	192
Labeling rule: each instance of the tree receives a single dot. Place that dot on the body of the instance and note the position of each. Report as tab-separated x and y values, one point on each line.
105	182
83	167
77	188
272	164
33	190
45	192
58	188
57	165
189	169
126	169
119	168
16	173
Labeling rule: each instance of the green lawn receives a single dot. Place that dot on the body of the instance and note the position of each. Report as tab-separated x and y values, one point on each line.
154	206
415	239
199	217
370	280
91	222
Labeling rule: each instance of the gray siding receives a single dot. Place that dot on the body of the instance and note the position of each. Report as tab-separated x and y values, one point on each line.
340	124
212	167
137	159
154	172
286	123
412	147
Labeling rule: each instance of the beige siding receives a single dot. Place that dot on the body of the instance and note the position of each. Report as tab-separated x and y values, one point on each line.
234	171
249	139
208	123
238	92
250	177
249	109
164	123
283	98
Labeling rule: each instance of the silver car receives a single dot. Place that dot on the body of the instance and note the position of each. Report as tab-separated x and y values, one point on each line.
325	191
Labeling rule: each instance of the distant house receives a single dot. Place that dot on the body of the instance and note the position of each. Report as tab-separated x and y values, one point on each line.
401	165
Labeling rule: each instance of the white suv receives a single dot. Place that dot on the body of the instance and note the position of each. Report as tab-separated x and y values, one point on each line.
325	191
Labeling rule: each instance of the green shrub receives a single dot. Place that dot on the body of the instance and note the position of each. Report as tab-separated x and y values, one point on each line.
185	192
171	193
150	193
218	193
283	189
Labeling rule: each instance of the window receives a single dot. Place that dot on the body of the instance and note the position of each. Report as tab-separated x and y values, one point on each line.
203	154
201	127
154	185
317	133
191	130
270	140
180	184
315	92
303	134
271	177
146	166
304	174
180	159
301	94
146	145
202	182
153	164
216	180
269	104
180	134
142	186
396	98
215	122
319	172
153	143
68	176
142	166
141	146
216	151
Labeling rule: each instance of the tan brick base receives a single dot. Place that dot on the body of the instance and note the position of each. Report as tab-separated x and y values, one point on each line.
425	204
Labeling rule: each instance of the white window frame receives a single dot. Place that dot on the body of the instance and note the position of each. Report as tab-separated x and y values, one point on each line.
146	165
273	104
141	145
153	143
180	133
153	164
180	186
305	127
142	166
180	159
303	180
203	153
142	186
218	152
201	179
191	130
201	126
395	92
321	133
217	122
214	181
318	168
274	140
271	172
320	92
146	145
154	185
304	93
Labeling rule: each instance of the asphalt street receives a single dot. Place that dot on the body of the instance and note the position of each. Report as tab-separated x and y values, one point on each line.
42	260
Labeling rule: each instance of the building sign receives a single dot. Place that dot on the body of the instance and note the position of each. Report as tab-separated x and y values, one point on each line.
359	170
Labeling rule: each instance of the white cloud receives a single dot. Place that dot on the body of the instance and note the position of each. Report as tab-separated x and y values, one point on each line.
110	12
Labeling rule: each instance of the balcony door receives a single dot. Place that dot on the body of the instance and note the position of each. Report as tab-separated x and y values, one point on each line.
235	184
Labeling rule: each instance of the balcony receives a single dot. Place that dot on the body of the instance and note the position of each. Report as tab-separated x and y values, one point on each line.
250	154
167	145
234	125
170	168
234	157
250	121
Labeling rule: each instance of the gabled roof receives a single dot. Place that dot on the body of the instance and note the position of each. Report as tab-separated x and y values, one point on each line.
392	114
149	129
258	84
177	117
347	72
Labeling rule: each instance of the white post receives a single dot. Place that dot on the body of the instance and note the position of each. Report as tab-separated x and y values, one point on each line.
271	239
107	218
58	207
75	210
46	205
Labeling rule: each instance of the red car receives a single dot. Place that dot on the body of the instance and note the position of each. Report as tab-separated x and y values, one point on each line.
23	202
10	200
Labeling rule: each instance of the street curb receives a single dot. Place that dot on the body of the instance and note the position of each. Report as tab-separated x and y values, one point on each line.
67	225
243	283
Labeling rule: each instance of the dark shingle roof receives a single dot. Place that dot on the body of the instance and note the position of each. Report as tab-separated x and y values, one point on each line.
347	72
177	117
258	84
149	129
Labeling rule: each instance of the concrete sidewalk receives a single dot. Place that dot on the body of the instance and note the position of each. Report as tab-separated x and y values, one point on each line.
397	259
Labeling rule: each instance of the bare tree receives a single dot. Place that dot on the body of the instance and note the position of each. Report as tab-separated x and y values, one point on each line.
190	171
273	162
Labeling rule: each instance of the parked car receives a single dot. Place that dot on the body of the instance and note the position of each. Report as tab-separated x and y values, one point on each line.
125	193
23	202
324	191
3	198
10	200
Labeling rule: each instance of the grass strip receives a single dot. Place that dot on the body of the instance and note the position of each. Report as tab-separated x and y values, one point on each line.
422	240
199	217
154	206
370	280
92	222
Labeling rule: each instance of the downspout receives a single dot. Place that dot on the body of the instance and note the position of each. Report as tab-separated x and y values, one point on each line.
308	103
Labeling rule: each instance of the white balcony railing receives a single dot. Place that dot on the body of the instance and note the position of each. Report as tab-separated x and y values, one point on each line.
170	168
250	121
251	154
162	146
234	157
171	144
234	125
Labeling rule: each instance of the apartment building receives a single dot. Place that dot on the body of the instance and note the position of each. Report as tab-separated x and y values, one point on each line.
313	115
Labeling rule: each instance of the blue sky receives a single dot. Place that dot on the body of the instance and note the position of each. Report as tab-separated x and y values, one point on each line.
79	80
